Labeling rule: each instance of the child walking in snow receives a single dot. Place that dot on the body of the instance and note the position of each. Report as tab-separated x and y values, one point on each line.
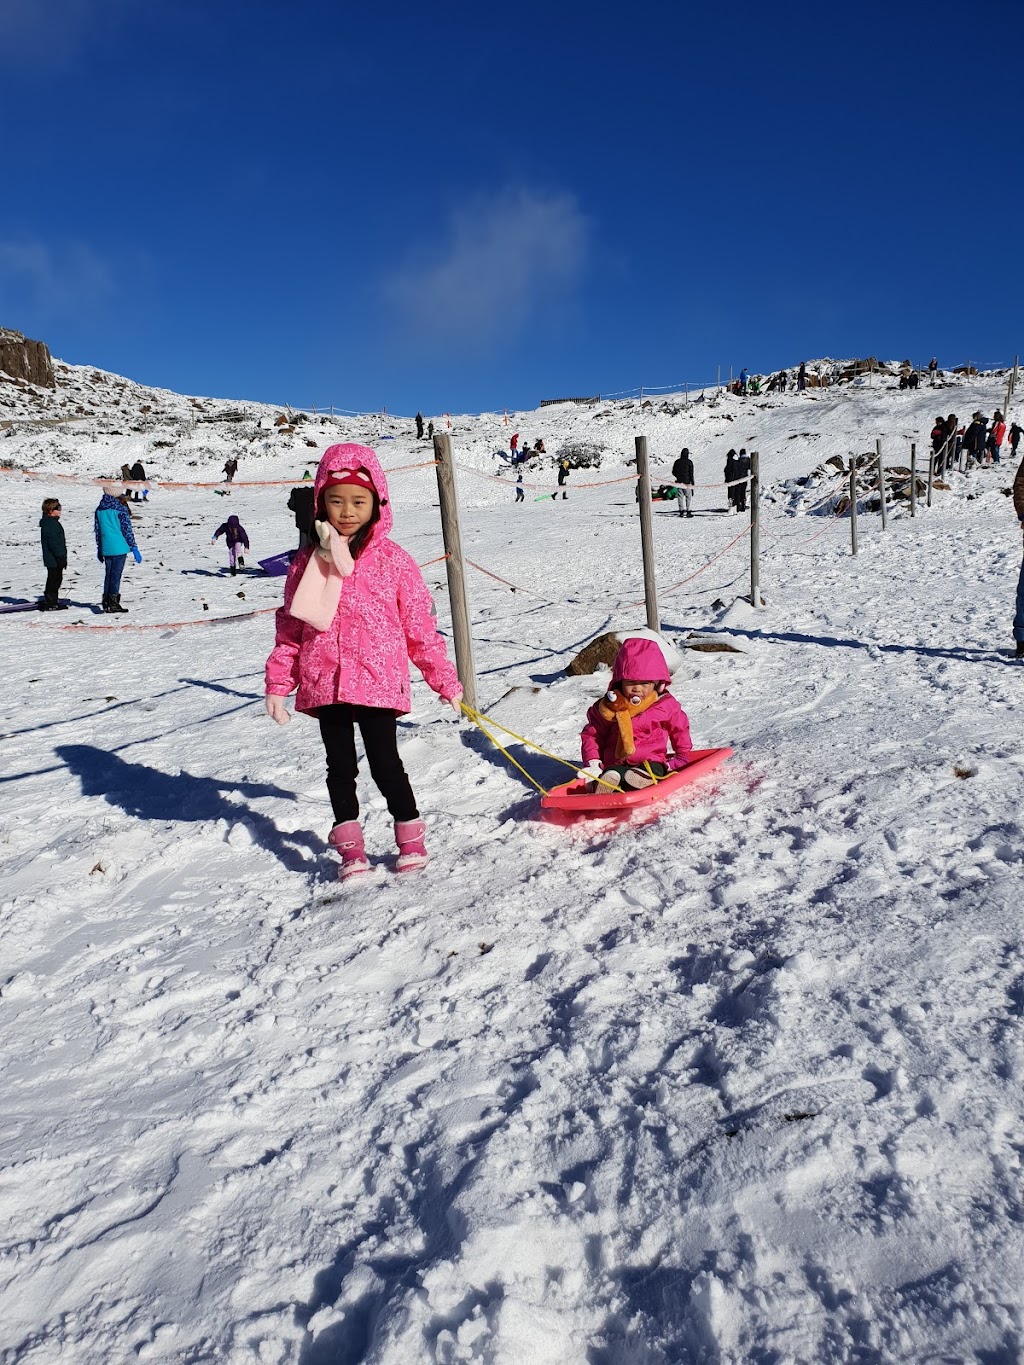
234	538
356	610
626	737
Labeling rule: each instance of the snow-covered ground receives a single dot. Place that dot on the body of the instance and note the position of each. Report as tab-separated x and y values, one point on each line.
739	1083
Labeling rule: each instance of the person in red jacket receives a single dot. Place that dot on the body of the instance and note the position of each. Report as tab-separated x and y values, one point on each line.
997	435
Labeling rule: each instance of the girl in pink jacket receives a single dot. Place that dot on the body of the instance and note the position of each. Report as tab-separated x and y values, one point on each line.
626	738
356	610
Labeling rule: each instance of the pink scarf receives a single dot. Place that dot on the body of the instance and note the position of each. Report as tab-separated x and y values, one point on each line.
319	592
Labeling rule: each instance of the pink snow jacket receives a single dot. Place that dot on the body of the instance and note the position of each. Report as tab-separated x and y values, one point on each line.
385	617
641	660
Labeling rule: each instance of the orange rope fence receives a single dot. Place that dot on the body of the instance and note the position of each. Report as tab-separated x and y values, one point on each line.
176	625
176	485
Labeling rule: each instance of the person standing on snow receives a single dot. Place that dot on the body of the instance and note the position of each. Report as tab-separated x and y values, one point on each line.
974	440
1018	507
356	610
230	468
730	477
563	475
682	472
952	440
419	426
520	497
139	476
1015	434
55	554
997	436
743	381
938	438
513	445
742	472
112	524
801	377
300	504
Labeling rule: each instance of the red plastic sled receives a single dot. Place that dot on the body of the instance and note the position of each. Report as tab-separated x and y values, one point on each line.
573	796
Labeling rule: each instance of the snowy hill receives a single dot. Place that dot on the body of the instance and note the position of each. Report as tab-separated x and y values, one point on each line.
94	422
742	1082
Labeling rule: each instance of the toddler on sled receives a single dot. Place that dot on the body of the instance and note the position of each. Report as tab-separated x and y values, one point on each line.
627	735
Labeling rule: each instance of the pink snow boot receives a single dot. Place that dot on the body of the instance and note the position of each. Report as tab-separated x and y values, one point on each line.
348	840
412	852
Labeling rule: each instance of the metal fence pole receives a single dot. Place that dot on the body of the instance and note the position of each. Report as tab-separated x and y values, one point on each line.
647	533
755	529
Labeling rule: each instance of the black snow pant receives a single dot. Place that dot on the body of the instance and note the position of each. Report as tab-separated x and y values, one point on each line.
53	582
379	729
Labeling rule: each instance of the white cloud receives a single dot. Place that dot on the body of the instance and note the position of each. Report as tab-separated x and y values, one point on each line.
506	259
40	279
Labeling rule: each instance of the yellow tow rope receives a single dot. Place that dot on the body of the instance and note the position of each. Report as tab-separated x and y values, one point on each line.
478	718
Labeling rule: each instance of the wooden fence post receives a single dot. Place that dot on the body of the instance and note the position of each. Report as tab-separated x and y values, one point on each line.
449	500
881	481
853	504
647	533
931	479
913	479
755	529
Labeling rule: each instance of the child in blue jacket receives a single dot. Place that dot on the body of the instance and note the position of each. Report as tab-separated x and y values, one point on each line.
114	539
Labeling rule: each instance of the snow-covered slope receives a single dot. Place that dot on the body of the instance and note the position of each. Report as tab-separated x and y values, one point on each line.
742	1082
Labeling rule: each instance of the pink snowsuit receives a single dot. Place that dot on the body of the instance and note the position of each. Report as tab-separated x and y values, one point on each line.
385	618
641	660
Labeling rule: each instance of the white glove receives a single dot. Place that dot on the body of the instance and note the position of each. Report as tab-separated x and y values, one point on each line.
277	710
323	535
593	770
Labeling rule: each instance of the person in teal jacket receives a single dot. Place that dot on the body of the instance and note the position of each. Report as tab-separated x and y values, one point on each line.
114	539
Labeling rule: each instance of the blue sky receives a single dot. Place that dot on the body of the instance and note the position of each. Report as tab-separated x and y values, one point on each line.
468	207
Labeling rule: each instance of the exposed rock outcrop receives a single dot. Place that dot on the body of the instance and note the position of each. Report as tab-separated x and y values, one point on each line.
29	361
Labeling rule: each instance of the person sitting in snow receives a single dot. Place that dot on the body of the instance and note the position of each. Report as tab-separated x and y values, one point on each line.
625	740
235	538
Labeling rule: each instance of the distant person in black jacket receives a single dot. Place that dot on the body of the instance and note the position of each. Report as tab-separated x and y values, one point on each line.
730	476
55	554
139	475
742	472
974	440
300	501
682	472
